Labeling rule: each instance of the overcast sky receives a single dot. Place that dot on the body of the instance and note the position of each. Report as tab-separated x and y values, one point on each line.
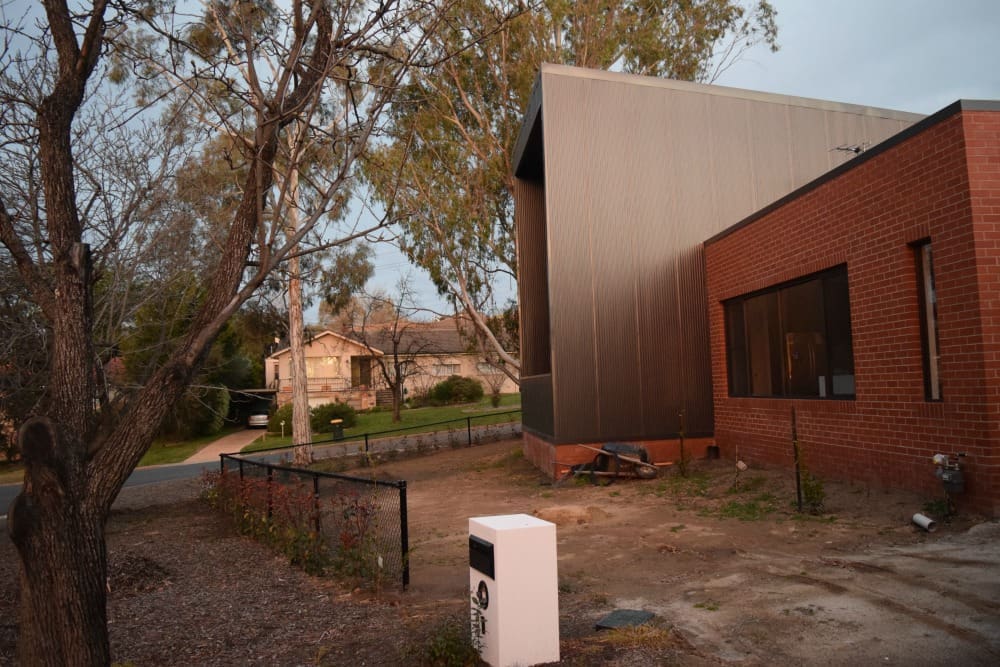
908	55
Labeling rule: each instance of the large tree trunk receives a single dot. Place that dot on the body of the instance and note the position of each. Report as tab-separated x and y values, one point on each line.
60	539
78	458
63	614
301	428
397	401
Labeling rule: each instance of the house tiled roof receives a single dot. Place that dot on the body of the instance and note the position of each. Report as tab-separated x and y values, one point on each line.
438	337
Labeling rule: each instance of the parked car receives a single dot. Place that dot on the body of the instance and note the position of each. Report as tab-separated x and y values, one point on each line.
257	421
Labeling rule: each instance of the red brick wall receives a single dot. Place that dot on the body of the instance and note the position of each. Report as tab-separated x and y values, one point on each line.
982	140
928	186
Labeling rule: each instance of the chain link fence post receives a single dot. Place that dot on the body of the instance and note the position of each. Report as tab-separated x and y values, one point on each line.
404	534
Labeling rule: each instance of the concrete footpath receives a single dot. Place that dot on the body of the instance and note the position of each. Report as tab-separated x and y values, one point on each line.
229	444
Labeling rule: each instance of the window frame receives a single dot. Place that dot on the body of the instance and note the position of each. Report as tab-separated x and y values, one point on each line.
739	352
453	369
325	362
930	350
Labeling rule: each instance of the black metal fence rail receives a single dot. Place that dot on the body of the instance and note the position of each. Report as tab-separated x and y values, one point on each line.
363	522
469	432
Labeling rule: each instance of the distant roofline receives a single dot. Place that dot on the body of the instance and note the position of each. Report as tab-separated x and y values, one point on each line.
861	158
320	335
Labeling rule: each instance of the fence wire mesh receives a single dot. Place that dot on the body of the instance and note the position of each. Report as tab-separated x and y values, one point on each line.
361	523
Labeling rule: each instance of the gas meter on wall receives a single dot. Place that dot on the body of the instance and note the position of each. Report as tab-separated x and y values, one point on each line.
513	580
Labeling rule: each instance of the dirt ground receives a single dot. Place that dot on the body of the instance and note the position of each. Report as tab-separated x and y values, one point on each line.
733	576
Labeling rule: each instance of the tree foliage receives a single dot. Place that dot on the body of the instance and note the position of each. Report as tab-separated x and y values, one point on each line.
446	175
382	323
97	210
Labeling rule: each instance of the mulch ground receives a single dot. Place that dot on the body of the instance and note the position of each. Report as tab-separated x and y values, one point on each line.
186	590
723	571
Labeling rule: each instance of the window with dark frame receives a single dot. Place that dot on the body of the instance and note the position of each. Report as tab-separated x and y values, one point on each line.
928	320
792	340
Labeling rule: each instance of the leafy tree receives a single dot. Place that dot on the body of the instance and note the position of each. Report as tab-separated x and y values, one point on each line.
257	324
446	174
343	277
81	218
381	322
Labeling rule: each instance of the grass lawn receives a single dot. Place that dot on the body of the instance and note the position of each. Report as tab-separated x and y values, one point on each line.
171	451
11	473
417	420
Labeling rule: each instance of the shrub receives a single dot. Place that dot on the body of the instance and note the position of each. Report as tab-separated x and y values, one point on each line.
323	414
319	417
813	493
449	644
282	414
457	389
280	515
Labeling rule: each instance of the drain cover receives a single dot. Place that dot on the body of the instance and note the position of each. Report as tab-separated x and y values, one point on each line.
623	618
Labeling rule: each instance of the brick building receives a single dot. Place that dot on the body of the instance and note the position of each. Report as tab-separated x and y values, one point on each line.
869	301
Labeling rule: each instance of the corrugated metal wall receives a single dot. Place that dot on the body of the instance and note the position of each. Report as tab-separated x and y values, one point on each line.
532	261
637	173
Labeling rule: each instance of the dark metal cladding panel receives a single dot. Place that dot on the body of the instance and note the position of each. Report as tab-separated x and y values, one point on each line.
533	299
661	356
536	404
570	191
614	247
696	350
533	294
656	278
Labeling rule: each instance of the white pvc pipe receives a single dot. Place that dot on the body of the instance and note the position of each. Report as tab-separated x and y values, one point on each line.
924	522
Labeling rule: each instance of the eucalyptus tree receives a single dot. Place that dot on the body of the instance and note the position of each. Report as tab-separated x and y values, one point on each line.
242	70
446	175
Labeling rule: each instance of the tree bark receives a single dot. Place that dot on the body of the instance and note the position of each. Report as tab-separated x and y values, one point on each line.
60	539
397	396
76	460
301	428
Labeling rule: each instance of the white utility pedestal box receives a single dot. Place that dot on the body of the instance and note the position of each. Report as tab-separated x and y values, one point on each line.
513	579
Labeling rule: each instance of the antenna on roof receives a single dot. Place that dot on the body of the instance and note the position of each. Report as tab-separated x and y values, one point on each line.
856	148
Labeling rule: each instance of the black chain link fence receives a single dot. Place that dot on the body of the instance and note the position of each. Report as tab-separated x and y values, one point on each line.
362	522
463	431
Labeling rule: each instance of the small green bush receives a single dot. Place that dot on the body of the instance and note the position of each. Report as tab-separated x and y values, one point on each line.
449	644
456	389
319	417
282	414
323	414
813	493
